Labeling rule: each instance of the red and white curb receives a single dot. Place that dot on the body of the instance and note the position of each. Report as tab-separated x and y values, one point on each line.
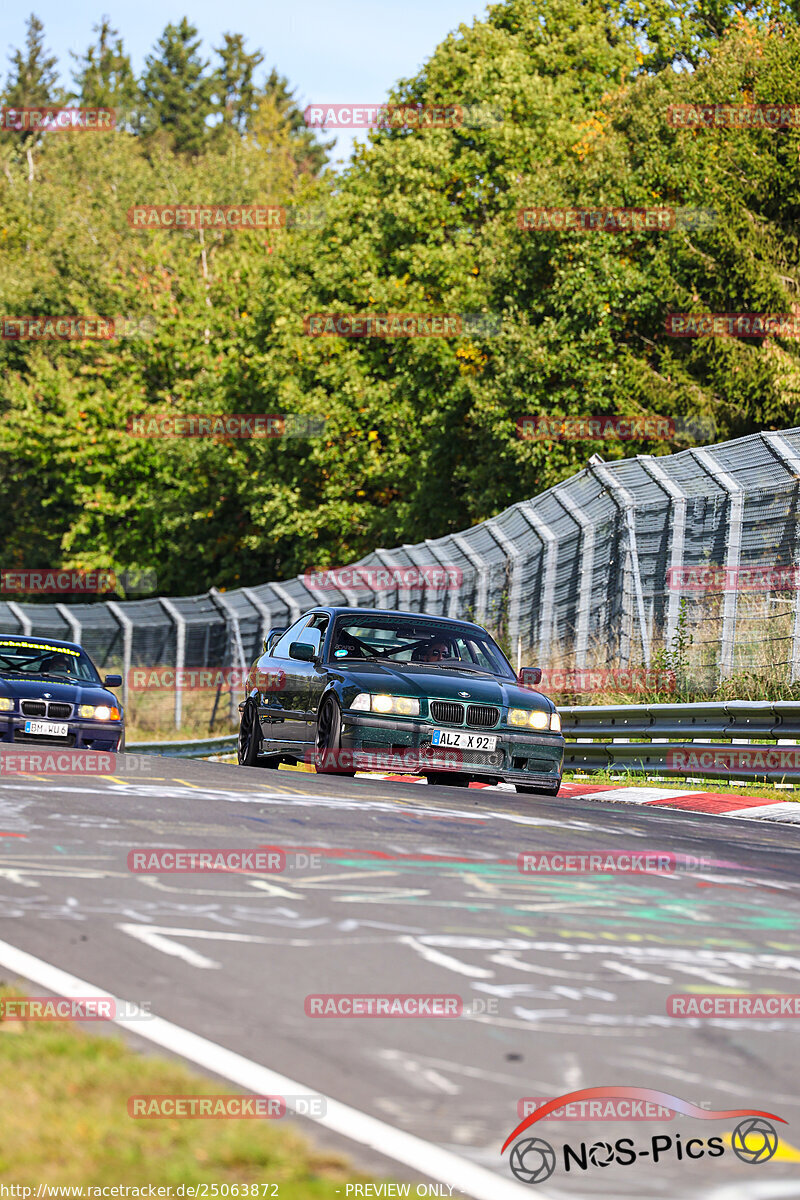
723	804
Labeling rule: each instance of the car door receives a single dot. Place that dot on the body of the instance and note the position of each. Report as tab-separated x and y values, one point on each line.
284	694
318	675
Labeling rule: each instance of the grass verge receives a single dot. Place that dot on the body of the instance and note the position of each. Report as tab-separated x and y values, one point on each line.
64	1117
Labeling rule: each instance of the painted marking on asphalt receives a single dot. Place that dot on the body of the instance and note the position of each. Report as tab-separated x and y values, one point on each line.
20	835
430	1160
186	783
636	795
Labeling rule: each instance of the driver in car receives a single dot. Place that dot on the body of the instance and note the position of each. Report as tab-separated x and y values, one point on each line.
432	652
57	664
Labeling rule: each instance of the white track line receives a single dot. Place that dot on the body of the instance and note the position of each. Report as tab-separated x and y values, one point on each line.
431	1161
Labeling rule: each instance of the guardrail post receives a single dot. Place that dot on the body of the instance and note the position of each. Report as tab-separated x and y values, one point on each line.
292	605
733	552
263	611
180	655
453	601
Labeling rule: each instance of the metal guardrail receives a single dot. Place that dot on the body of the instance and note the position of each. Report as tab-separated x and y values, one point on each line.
734	739
201	749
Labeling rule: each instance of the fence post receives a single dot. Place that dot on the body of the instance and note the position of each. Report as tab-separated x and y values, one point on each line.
790	460
74	624
126	624
234	641
628	505
677	512
180	655
547	603
513	553
25	622
587	570
733	553
482	573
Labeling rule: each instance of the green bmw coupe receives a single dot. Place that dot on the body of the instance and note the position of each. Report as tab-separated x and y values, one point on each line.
352	689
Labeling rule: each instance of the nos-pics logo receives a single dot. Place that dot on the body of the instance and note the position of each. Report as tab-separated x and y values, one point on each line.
533	1160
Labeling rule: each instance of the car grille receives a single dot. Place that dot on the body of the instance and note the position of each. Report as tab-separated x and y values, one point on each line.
482	758
448	712
482	716
38	708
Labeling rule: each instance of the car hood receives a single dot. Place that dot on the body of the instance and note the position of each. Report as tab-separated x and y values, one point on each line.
423	680
67	693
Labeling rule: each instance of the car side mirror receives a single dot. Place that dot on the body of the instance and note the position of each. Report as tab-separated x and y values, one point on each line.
112	681
302	651
529	676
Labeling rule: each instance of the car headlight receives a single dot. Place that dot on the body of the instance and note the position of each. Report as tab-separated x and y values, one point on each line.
402	706
525	716
6	705
555	722
99	712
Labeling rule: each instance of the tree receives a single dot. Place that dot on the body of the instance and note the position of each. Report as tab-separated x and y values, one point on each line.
310	153
235	89
33	79
178	93
104	77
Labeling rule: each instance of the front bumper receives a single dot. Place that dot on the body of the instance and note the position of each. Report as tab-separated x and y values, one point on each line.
532	759
81	735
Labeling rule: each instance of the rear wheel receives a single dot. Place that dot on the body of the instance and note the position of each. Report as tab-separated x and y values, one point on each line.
250	741
328	739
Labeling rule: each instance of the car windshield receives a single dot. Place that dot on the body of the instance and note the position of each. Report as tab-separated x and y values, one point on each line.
19	657
403	641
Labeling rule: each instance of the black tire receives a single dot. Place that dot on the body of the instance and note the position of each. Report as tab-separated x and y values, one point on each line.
447	778
328	739
249	737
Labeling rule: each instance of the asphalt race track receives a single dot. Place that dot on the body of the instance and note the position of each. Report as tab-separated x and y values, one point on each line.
417	890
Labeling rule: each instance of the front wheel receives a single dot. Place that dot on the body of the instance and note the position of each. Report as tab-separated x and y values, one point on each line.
328	739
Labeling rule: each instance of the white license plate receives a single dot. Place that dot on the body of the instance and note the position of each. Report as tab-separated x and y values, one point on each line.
46	729
464	741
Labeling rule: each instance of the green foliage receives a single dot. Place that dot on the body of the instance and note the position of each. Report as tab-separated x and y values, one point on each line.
421	434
